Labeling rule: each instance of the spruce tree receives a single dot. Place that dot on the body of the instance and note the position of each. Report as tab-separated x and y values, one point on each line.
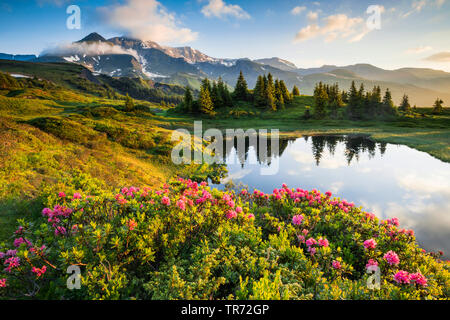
285	92
216	97
241	89
258	93
405	106
437	107
225	95
205	102
320	101
188	99
269	92
388	104
354	101
295	91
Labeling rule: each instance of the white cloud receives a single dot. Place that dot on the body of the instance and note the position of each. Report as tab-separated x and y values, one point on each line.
220	9
418	50
335	26
147	20
312	16
439	57
297	10
416	6
439	3
89	49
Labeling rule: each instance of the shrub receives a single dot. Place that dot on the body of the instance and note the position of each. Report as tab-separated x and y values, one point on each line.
189	241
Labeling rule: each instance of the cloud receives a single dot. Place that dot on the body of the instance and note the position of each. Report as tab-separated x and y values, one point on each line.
418	50
58	3
416	6
297	10
439	3
439	57
335	26
312	16
147	20
219	9
88	48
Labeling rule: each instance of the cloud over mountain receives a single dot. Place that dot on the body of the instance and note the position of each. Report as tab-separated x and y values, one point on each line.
439	57
147	20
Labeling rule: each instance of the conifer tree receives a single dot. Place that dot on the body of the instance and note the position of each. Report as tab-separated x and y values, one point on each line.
205	102
295	91
388	104
241	89
354	101
258	93
320	101
437	107
405	106
216	97
269	92
285	92
227	101
188	99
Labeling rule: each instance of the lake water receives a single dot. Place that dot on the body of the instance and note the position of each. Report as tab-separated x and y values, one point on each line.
386	179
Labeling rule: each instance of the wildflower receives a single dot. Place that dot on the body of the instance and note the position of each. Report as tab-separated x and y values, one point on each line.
2	283
402	277
328	194
11	253
12	262
418	278
323	242
131	224
2	255
60	231
251	216
336	265
310	242
238	209
370	244
231	214
392	258
312	250
181	204
165	201
39	271
18	242
61	195
76	195
297	219
371	263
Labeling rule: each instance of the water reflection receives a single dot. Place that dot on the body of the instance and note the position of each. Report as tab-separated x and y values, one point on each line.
389	180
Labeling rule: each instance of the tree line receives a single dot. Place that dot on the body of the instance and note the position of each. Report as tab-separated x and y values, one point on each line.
361	104
267	94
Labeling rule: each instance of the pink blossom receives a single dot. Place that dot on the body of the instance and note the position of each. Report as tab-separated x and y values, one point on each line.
392	258
310	242
61	195
336	265
238	209
323	242
2	283
181	204
131	224
76	195
418	278
231	214
401	277
312	250
370	244
251	216
39	271
297	219
371	263
12	262
165	201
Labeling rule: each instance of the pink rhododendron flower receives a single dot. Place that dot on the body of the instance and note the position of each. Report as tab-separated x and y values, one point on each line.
323	242
370	244
11	263
165	201
312	250
181	204
76	195
336	265
2	283
371	263
251	216
131	224
392	258
231	214
418	278
297	219
310	242
401	277
238	209
39	271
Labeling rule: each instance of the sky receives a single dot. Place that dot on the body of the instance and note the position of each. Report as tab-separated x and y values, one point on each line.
394	34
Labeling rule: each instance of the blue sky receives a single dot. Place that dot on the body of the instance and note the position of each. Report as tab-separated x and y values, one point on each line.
413	33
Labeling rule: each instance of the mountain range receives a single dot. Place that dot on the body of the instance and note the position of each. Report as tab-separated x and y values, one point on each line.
127	57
